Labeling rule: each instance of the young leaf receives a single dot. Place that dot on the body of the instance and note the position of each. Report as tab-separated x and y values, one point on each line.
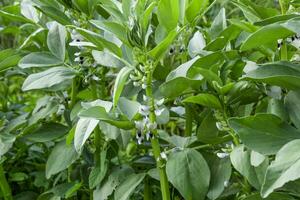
195	8
120	83
84	128
56	40
207	100
168	13
189	173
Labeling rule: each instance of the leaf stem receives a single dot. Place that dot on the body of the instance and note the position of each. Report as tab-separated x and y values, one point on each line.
164	184
5	188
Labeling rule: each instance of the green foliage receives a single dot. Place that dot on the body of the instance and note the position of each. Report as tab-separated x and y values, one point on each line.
149	99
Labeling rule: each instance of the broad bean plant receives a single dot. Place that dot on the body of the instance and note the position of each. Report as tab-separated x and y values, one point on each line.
150	99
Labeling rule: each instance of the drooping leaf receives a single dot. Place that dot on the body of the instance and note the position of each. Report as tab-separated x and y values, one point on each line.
125	189
120	83
84	128
61	157
189	173
56	40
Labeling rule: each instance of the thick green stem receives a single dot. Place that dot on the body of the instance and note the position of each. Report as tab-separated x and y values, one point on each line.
164	184
6	191
73	93
147	190
188	120
283	51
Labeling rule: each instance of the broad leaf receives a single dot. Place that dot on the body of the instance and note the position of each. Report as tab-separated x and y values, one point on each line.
207	100
293	107
264	133
189	173
127	187
39	59
284	168
283	74
54	79
56	40
47	132
120	83
61	157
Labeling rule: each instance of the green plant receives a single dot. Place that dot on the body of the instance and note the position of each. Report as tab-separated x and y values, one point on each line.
149	99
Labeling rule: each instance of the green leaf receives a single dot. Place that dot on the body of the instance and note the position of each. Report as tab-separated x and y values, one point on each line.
189	173
56	40
115	28
158	51
241	161
207	100
98	172
100	113
283	74
127	187
120	83
6	142
99	41
49	79
195	8
267	34
293	107
168	13
219	24
107	59
128	107
273	196
8	58
118	175
264	133
220	173
61	157
47	132
84	128
284	168
55	14
39	59
14	17
278	18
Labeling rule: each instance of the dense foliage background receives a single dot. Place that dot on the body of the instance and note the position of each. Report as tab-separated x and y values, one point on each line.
149	99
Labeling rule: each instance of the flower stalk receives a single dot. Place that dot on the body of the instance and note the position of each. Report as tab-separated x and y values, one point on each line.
164	184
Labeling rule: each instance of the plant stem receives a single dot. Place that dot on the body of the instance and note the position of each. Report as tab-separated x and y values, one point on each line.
73	93
164	184
283	50
147	190
5	188
188	120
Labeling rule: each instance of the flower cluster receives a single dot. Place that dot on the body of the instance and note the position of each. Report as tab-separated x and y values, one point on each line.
138	77
145	126
294	41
